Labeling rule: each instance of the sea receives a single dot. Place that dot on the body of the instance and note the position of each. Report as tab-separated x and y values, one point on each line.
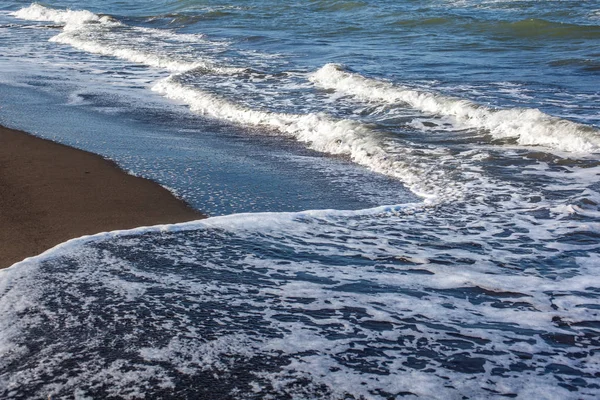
404	199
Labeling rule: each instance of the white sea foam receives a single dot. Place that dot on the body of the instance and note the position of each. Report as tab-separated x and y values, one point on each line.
130	54
528	126
37	12
227	290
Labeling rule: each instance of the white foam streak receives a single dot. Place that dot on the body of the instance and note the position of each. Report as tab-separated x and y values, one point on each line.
528	126
37	12
89	32
321	133
141	57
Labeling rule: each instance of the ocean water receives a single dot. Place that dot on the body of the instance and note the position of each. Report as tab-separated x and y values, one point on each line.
404	199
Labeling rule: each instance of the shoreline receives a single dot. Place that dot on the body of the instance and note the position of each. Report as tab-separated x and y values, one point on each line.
50	193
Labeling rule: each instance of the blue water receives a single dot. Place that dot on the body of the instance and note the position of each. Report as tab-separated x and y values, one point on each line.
404	199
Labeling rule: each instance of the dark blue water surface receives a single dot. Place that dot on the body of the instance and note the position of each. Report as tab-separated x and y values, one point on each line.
449	148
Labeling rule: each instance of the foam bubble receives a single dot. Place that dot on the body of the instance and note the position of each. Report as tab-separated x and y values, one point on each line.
528	126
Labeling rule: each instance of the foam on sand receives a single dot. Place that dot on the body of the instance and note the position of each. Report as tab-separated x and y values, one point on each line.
290	307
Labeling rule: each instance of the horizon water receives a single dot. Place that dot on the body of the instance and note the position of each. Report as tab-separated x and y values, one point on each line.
404	199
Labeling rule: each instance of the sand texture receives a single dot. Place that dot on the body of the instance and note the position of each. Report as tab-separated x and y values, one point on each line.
50	193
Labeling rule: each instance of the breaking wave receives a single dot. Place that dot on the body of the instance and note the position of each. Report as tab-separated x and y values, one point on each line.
527	126
321	132
37	12
106	36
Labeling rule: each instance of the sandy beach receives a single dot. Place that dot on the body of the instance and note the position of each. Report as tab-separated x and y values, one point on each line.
50	193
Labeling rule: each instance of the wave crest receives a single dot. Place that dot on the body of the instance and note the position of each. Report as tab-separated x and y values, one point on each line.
37	12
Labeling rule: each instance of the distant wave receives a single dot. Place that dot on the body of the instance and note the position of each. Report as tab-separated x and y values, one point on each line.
526	28
106	36
534	27
528	126
339	5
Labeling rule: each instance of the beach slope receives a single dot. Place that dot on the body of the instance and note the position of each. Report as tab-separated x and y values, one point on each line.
50	193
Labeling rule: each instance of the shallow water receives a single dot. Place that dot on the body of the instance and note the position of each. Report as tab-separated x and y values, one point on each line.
461	138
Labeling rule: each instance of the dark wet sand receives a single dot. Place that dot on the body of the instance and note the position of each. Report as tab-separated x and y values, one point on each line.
50	193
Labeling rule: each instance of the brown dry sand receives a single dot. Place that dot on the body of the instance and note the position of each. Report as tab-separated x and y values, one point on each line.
50	193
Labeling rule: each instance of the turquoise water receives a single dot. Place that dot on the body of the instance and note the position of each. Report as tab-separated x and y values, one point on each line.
404	199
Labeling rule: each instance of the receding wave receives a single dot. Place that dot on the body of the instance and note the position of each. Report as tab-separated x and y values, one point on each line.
299	305
527	126
424	22
434	173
